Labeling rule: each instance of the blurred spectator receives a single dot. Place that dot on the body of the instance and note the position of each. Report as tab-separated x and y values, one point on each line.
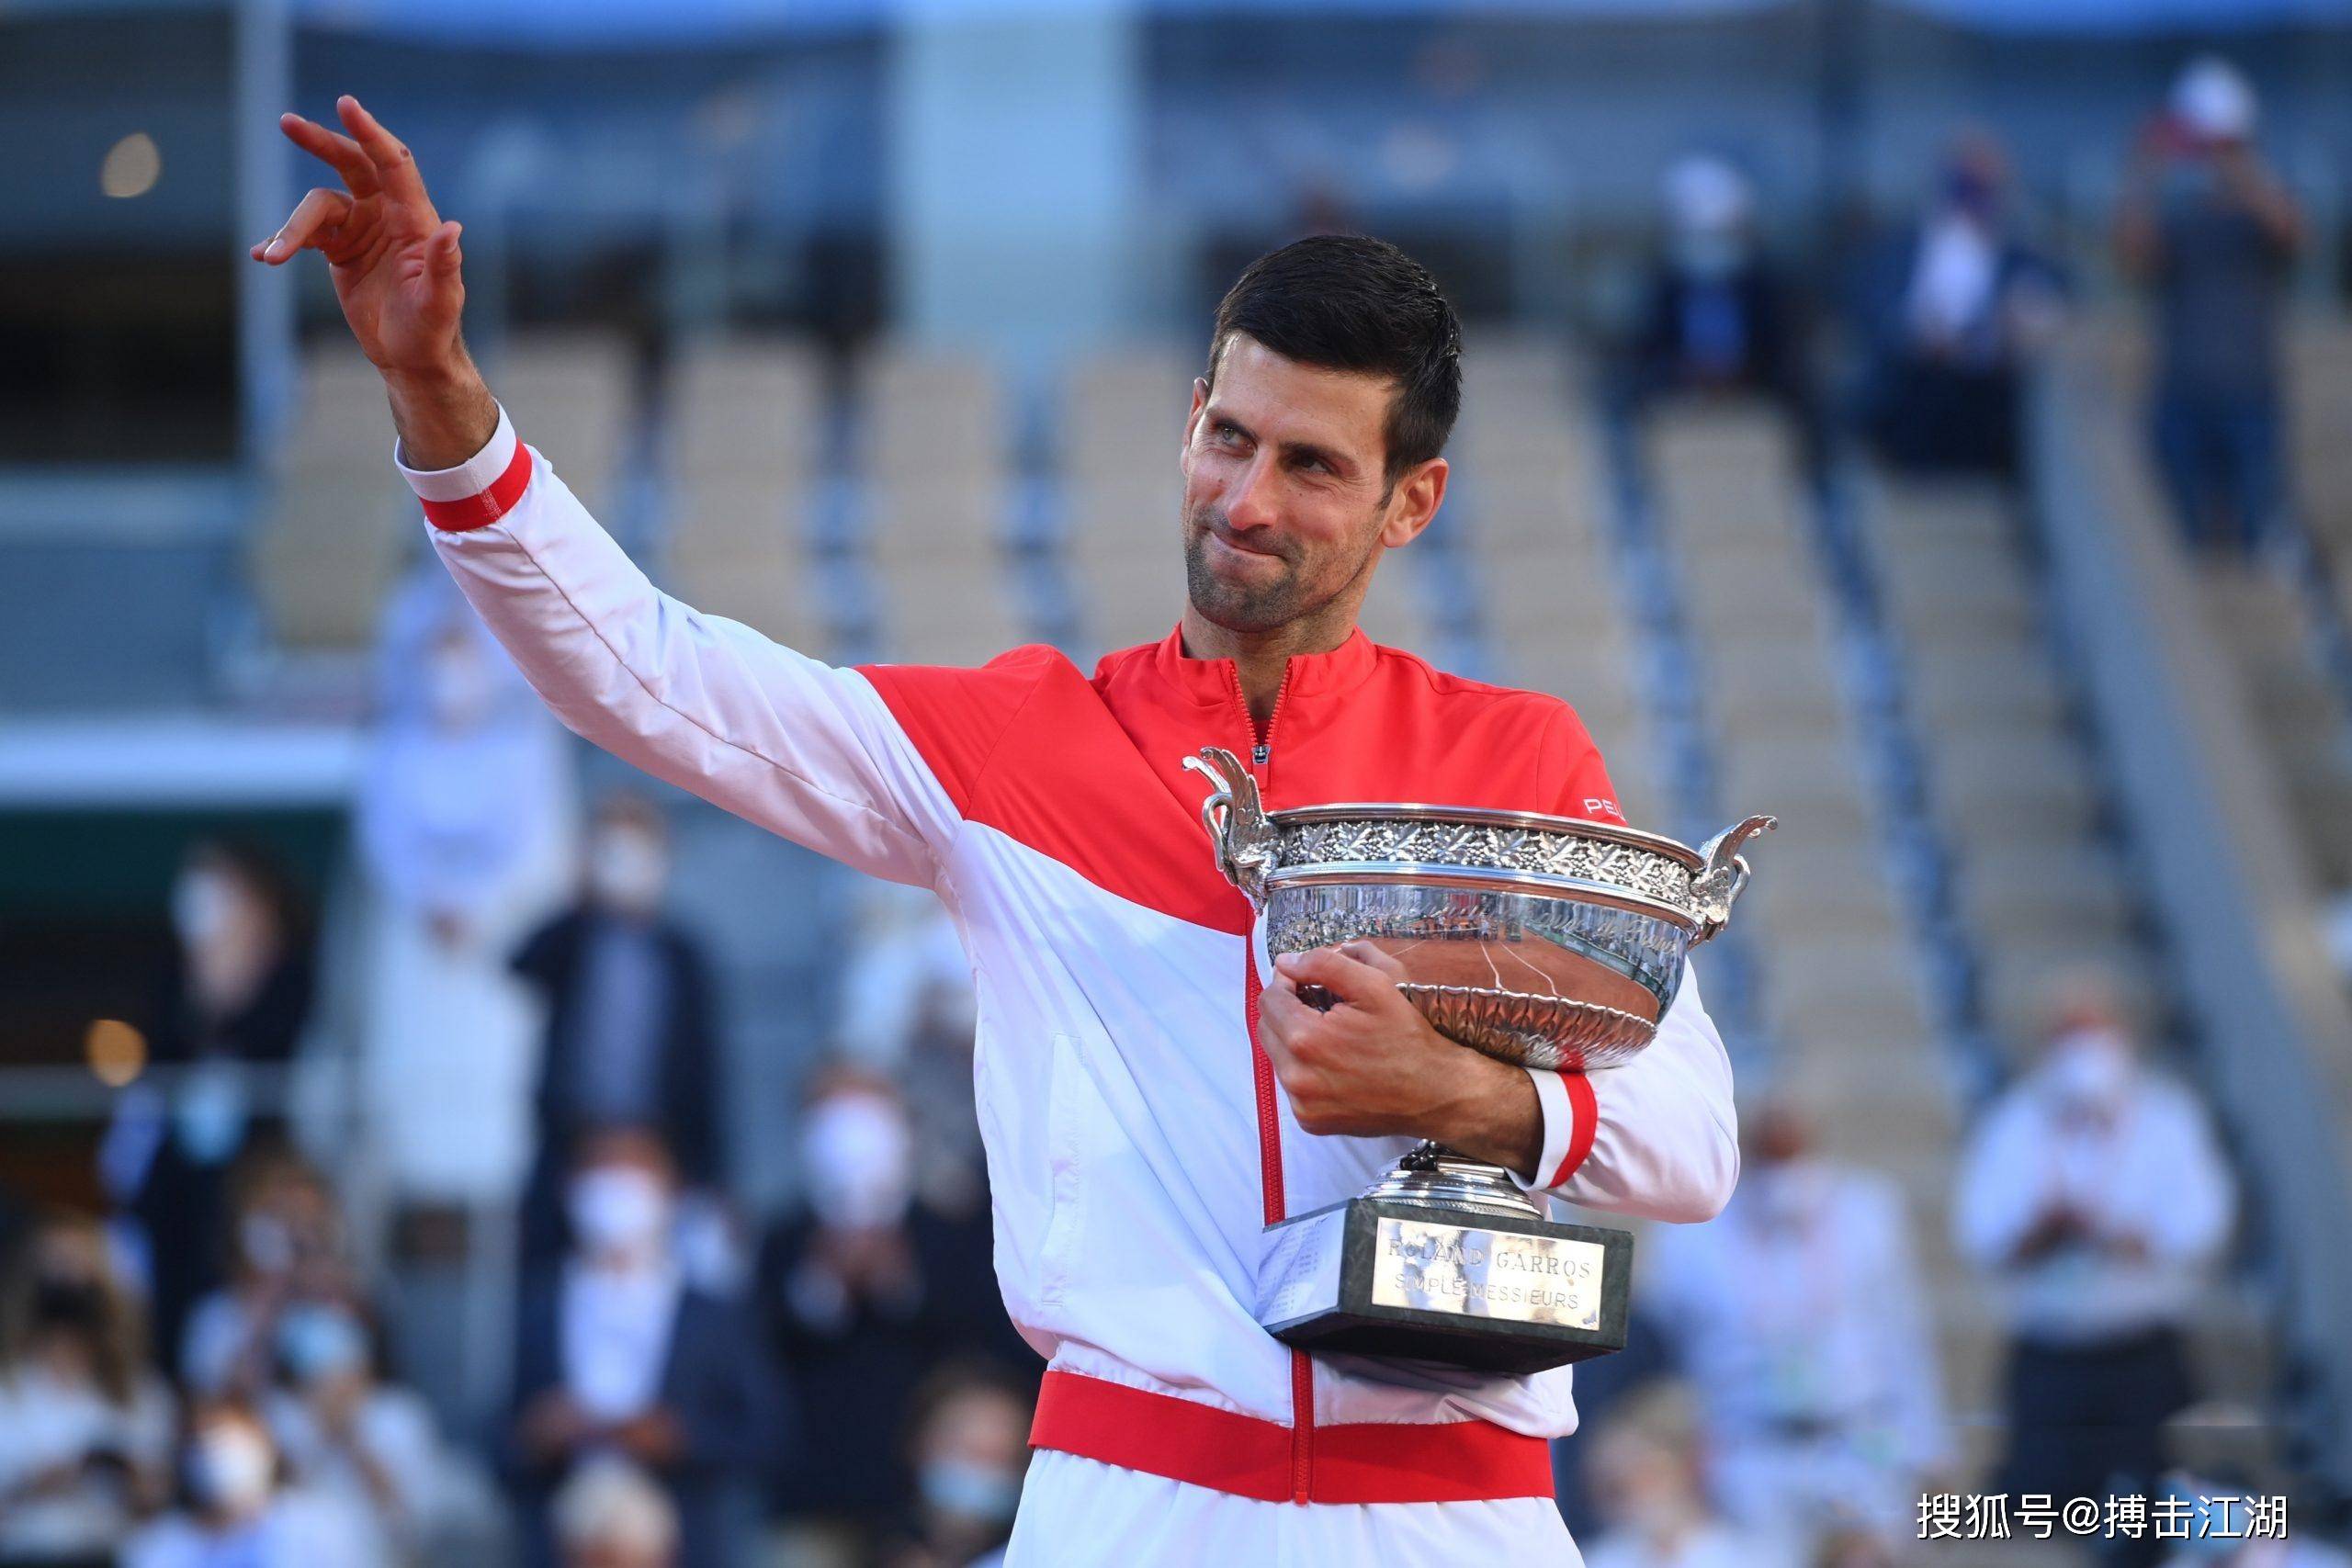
1653	1512
2094	1189
619	1356
630	1038
464	826
235	1512
344	1434
970	1448
866	1289
1715	316
908	1014
85	1429
289	1242
1953	312
611	1514
239	998
1803	1328
2211	231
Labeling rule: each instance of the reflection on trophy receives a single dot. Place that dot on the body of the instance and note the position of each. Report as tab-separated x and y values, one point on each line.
1546	941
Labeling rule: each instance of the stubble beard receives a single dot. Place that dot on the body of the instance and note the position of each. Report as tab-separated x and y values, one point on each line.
1235	606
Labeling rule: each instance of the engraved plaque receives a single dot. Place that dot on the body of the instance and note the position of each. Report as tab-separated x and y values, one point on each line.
1301	1274
1506	1274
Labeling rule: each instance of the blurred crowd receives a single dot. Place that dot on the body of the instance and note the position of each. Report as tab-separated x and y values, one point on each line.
253	1356
1943	315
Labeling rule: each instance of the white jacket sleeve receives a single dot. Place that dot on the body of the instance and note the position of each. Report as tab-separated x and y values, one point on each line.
1657	1138
795	745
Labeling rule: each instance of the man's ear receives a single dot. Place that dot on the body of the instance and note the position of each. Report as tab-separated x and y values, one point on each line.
1417	496
1192	419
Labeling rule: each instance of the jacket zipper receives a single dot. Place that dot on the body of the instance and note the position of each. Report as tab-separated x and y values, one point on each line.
1270	1130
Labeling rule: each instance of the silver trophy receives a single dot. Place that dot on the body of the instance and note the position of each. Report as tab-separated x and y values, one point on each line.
1544	942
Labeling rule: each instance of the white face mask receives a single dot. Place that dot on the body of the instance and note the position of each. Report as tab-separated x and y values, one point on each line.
231	1469
627	870
266	1243
617	1210
457	686
2090	1068
970	1491
201	907
317	1340
857	1159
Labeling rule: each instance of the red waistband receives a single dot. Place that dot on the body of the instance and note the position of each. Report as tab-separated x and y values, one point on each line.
1372	1461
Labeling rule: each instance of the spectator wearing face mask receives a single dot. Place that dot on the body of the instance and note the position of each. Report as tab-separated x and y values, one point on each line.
1800	1321
235	1511
454	875
2094	1190
630	1039
1657	1513
866	1289
85	1429
237	1002
344	1434
908	1014
1953	312
611	1514
1716	316
286	1238
2213	233
621	1357
969	1444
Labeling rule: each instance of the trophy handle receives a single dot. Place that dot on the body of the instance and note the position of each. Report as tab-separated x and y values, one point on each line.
1719	881
1239	830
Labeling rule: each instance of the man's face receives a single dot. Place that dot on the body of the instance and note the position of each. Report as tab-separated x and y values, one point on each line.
1286	501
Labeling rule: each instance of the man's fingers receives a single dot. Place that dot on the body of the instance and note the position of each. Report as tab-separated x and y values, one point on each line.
442	255
1376	956
1351	979
390	156
323	208
340	152
1280	1015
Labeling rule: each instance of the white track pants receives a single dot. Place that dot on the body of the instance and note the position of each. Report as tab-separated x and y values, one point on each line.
1081	1512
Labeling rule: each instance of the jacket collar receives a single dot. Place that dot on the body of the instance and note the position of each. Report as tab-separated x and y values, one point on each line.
1211	681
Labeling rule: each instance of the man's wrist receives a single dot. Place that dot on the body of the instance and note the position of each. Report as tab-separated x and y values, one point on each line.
443	412
1497	1118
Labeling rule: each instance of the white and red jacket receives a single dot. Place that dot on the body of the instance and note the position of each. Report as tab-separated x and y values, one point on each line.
1138	1142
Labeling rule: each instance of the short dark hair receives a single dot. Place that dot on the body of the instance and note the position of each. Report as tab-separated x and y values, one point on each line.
1351	303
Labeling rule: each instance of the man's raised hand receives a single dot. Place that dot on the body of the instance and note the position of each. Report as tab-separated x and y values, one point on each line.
393	260
395	265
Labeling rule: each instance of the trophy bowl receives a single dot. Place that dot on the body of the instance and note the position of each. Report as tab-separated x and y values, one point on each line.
1546	941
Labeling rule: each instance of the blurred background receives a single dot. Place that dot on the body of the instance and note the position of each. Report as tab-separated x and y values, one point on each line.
423	1140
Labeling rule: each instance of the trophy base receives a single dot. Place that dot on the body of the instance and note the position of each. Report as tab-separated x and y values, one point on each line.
1436	1264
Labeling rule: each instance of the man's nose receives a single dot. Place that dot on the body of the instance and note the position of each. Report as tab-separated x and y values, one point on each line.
1249	500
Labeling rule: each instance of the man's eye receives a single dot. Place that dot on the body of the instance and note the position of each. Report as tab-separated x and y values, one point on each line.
1225	434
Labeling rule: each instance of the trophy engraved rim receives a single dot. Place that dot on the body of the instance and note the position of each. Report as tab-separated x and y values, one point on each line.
1471	847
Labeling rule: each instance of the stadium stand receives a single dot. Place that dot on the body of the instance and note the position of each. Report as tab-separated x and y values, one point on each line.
1530	509
746	419
934	458
1122	426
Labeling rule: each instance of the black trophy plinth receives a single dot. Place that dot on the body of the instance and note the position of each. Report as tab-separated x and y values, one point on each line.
1476	1287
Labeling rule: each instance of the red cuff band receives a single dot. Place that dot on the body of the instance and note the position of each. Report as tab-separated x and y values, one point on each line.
1372	1461
1584	1113
490	505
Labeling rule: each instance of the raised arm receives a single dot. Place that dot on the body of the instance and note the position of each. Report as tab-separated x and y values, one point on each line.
800	748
